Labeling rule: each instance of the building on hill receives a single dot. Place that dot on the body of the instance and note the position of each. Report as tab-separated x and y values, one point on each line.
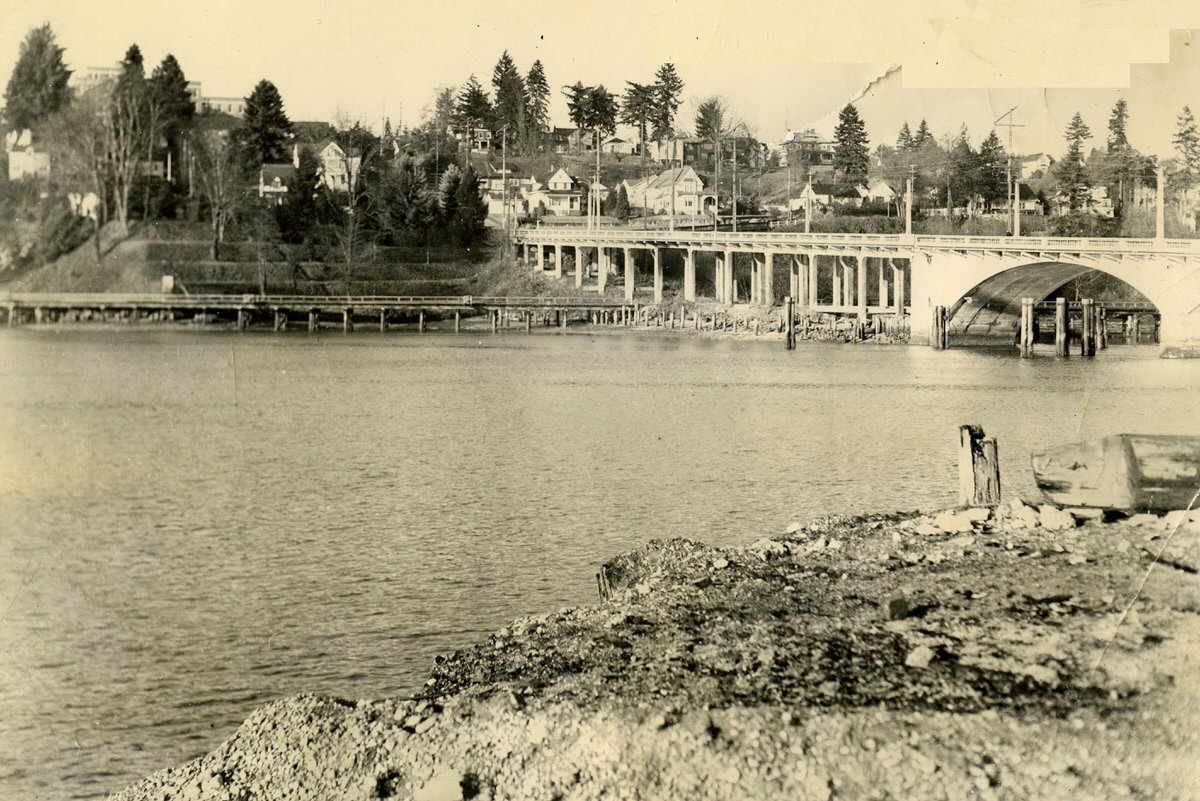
679	190
826	196
337	168
806	148
561	194
567	140
24	159
273	182
617	146
235	106
680	151
1036	166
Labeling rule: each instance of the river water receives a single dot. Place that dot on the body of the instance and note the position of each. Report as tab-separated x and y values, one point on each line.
193	523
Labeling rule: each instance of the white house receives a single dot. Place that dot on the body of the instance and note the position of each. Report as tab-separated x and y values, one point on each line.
1037	163
25	160
619	147
560	195
676	191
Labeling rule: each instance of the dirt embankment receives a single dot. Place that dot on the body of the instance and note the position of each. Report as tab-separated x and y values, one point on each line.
1025	654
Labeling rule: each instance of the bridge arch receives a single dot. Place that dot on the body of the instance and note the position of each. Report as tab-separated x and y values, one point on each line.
982	292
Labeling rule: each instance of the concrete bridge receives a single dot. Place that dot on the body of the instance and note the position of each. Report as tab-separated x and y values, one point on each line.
980	281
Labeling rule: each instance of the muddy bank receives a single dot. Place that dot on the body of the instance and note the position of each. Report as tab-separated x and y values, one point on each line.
1025	654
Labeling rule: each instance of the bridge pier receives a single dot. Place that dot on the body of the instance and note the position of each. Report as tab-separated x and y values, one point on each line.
729	290
580	252
602	266
313	320
812	280
769	278
860	294
839	281
541	258
658	276
558	261
281	319
630	274
1062	328
689	276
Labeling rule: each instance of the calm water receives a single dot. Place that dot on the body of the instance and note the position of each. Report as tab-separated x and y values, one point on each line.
193	523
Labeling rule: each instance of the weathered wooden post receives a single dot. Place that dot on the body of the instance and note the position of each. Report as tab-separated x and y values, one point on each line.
978	468
383	324
1088	343
789	310
1102	328
242	319
13	315
1026	328
280	319
457	321
494	315
347	322
312	320
529	322
937	339
1062	328
421	321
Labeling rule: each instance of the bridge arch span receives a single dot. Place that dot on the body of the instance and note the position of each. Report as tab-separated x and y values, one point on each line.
982	293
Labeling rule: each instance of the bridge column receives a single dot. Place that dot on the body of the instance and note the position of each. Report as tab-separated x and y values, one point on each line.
558	261
754	279
579	256
719	275
768	298
883	286
602	268
658	276
630	274
898	280
689	276
1061	328
794	277
860	295
13	315
541	257
812	280
730	283
839	281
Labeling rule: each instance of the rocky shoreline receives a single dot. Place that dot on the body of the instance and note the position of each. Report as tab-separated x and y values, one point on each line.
1016	653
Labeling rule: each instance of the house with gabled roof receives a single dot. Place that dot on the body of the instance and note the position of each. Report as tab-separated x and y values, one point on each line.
561	194
679	190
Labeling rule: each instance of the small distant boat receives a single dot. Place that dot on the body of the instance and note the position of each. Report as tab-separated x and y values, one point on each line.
1138	472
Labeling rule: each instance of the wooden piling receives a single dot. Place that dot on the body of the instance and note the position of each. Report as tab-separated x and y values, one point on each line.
347	322
1088	341
1062	328
1027	313
383	323
494	316
280	319
1102	328
529	322
312	320
978	468
789	310
421	321
457	321
937	338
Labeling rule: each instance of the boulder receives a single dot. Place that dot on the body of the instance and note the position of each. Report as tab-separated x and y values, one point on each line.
1055	519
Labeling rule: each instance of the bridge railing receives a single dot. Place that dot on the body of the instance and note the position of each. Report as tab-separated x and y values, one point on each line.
151	300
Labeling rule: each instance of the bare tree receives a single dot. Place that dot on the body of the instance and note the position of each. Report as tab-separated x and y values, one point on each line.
78	142
222	182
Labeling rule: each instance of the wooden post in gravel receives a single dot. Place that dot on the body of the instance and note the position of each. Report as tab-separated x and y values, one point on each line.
1061	328
1088	345
978	468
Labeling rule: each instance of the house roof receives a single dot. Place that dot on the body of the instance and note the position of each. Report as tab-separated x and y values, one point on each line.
835	190
1027	192
283	172
668	178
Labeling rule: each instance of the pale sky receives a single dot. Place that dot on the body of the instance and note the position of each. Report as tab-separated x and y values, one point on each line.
780	64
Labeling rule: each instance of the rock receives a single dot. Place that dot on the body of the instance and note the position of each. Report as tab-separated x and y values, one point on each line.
1143	519
426	724
720	563
1076	559
1082	513
766	549
1023	516
927	529
445	785
897	608
953	522
960	543
730	774
919	657
795	528
977	514
1055	519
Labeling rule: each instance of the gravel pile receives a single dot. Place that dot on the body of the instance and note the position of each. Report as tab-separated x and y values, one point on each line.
1022	653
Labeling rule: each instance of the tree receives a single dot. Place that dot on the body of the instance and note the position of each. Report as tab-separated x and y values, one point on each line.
222	180
620	208
537	99
470	210
1071	172
923	136
592	107
510	106
712	124
298	213
993	170
962	178
267	127
637	109
1121	162
128	130
447	193
668	90
169	93
1187	144
78	139
905	140
406	202
850	154
38	85
473	109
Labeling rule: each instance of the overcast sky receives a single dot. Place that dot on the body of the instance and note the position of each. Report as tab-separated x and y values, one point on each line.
780	64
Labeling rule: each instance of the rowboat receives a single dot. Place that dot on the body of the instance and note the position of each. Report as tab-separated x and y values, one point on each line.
1138	472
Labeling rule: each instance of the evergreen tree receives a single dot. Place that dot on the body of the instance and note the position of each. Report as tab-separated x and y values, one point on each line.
850	154
637	109
38	85
511	102
447	192
1187	145
1122	161
621	206
132	79
537	113
1071	172
962	179
993	170
473	108
470	210
298	214
905	140
668	92
922	137
173	103
267	128
712	124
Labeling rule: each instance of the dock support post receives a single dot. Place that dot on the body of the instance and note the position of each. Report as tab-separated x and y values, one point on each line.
383	323
347	322
421	322
243	321
630	274
689	276
1062	328
860	294
769	280
312	320
978	468
1102	328
457	321
1088	345
281	319
940	340
1026	328
528	322
13	318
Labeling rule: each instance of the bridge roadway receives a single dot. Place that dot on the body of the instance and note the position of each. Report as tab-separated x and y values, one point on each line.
44	305
977	282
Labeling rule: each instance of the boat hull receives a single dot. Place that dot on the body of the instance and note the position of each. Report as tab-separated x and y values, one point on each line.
1138	472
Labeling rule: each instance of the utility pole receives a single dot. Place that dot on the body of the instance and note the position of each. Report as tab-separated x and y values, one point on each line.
1013	192
504	172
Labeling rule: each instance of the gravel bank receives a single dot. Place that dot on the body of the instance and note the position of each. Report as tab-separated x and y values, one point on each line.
1026	654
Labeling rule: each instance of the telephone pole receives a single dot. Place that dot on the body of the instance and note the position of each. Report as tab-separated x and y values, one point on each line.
1014	194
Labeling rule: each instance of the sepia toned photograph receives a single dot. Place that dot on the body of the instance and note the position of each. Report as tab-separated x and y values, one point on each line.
646	400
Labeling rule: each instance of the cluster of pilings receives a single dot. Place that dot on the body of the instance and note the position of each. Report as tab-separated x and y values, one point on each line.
1093	327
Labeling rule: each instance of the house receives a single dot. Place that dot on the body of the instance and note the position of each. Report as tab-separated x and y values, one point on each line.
617	146
339	169
679	190
561	195
1035	166
829	195
273	182
235	106
806	148
568	140
1028	201
878	190
25	160
681	150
